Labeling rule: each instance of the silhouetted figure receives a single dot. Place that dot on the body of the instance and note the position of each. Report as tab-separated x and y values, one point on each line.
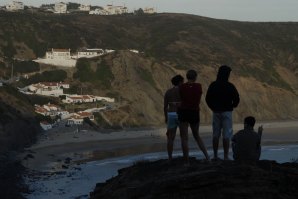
171	102
246	144
189	113
222	97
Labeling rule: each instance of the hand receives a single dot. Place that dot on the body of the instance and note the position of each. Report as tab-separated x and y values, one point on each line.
260	129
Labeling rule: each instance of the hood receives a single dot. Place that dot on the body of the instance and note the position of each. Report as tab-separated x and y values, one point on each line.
223	73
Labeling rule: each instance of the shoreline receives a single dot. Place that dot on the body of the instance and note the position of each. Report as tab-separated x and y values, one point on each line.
57	145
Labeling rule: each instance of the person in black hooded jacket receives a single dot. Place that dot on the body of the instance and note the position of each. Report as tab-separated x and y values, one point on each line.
222	97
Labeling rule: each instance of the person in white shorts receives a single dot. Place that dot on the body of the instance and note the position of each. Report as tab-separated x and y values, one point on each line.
171	104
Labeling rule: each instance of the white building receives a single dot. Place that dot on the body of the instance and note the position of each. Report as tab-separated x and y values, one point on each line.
116	10
60	8
58	54
50	110
110	10
48	88
58	57
15	6
84	7
148	10
45	125
97	11
70	99
78	118
89	53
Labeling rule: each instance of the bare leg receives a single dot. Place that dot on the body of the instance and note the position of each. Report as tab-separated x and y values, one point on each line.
184	140
195	133
171	133
215	143
226	146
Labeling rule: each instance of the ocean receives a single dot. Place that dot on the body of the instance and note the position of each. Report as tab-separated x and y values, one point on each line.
79	180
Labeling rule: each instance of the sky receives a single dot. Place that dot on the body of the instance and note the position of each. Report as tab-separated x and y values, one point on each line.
241	10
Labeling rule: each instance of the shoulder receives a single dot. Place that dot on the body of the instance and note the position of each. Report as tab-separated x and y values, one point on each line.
239	133
231	85
211	86
168	92
198	85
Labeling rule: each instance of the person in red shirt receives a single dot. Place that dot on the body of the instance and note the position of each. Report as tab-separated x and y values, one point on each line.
189	113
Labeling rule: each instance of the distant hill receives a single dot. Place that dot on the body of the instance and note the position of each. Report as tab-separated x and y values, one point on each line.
263	57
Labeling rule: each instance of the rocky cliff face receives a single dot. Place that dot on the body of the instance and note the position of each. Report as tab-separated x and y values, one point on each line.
18	128
266	179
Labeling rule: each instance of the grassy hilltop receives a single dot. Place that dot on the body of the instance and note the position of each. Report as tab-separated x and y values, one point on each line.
263	57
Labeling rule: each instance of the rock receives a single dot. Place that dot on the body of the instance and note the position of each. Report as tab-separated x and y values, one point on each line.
221	179
67	160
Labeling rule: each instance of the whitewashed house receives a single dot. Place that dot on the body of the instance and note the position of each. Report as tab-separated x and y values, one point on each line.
40	110
58	54
50	110
60	8
58	57
15	6
78	118
110	10
72	99
97	11
115	10
45	125
89	53
148	10
41	89
85	7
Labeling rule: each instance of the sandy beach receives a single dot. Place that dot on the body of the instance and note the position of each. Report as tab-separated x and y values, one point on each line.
66	143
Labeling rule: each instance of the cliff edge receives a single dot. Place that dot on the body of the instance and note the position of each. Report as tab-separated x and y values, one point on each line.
222	179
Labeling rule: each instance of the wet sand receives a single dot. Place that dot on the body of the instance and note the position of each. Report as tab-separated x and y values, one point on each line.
62	143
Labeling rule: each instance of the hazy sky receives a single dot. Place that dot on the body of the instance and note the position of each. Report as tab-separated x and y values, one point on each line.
243	10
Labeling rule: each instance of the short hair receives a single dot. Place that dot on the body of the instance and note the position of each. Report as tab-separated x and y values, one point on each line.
225	68
250	121
191	75
176	80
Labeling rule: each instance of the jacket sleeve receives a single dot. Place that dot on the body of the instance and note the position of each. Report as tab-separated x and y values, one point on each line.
236	98
165	106
209	97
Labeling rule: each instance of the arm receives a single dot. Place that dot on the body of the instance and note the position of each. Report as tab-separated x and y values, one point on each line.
260	131
236	98
209	97
165	107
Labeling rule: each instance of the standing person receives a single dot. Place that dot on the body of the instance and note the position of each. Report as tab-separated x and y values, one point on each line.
222	97
246	144
189	113
171	103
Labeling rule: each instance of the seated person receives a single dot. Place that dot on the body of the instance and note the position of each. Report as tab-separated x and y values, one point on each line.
246	144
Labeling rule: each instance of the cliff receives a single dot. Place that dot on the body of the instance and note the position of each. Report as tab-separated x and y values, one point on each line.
218	180
18	128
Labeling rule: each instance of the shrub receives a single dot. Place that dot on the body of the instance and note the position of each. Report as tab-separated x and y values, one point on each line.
47	76
26	67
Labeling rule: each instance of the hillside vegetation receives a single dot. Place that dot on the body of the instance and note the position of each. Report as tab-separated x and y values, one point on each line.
263	57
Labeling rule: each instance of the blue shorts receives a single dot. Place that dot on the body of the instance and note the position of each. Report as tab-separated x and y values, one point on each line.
223	123
172	120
